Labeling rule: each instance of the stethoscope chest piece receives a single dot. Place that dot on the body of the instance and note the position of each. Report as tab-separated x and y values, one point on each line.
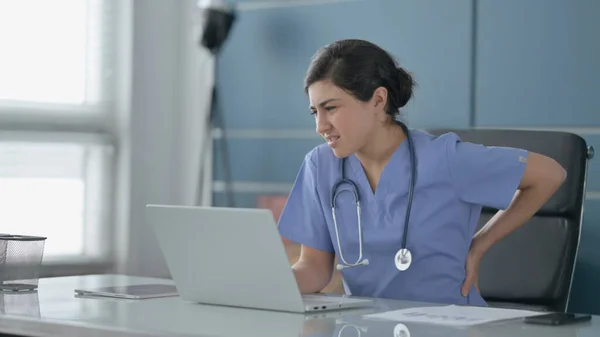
403	259
400	330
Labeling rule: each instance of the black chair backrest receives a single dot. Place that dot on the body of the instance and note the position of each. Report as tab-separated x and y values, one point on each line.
533	266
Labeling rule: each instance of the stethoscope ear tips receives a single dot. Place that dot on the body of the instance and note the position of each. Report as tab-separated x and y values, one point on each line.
340	266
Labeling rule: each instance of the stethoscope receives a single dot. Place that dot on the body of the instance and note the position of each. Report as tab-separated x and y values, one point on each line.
403	257
400	330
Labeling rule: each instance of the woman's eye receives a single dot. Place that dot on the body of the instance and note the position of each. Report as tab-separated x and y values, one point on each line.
330	108
313	112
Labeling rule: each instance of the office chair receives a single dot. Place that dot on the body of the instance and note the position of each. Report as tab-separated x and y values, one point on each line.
532	268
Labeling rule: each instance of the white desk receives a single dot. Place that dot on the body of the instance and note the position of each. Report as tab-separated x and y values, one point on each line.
55	311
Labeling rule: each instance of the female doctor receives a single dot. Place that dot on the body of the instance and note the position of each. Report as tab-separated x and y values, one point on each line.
399	207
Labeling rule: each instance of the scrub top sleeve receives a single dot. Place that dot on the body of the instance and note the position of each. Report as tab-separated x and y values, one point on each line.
302	219
485	175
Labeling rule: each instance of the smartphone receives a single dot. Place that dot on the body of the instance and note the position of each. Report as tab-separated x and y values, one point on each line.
558	318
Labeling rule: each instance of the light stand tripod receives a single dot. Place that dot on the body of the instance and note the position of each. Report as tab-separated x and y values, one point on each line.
218	20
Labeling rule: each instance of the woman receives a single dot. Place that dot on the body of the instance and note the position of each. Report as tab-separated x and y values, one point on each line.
356	90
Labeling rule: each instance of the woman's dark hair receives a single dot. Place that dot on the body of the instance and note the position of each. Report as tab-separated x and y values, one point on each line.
359	67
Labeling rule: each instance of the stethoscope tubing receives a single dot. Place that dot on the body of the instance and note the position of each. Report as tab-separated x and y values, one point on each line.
354	189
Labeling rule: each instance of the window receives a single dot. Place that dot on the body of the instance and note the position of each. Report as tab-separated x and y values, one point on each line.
53	189
56	124
52	51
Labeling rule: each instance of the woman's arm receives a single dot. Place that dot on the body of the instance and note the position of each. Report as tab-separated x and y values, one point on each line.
313	270
541	179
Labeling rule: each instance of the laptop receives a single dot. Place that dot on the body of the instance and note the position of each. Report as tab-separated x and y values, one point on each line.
233	257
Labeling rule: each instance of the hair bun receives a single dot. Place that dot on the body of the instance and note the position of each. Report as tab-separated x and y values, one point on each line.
406	84
359	67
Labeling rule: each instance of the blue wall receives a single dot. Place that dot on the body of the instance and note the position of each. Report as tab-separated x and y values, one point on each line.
537	66
527	63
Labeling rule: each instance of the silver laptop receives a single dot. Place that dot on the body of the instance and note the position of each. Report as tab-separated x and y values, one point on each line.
233	257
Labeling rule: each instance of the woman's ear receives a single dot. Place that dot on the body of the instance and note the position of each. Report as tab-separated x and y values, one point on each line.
379	98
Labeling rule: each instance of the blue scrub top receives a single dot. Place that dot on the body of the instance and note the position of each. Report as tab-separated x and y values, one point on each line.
454	180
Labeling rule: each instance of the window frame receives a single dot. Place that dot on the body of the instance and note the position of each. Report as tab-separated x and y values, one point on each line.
98	124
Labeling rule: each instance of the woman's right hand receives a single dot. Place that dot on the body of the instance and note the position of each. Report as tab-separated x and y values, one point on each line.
313	270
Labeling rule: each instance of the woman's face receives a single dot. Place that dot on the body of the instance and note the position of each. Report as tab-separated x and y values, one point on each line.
342	120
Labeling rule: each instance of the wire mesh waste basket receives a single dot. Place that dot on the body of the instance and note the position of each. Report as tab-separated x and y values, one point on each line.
20	261
22	303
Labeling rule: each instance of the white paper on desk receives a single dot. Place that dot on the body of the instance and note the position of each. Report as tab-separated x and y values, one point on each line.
454	315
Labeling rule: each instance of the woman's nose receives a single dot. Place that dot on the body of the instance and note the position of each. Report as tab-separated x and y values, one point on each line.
322	124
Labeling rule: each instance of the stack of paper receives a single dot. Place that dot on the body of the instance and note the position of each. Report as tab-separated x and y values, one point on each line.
454	315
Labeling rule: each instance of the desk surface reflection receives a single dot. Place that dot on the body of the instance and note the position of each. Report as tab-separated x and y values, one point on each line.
55	310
